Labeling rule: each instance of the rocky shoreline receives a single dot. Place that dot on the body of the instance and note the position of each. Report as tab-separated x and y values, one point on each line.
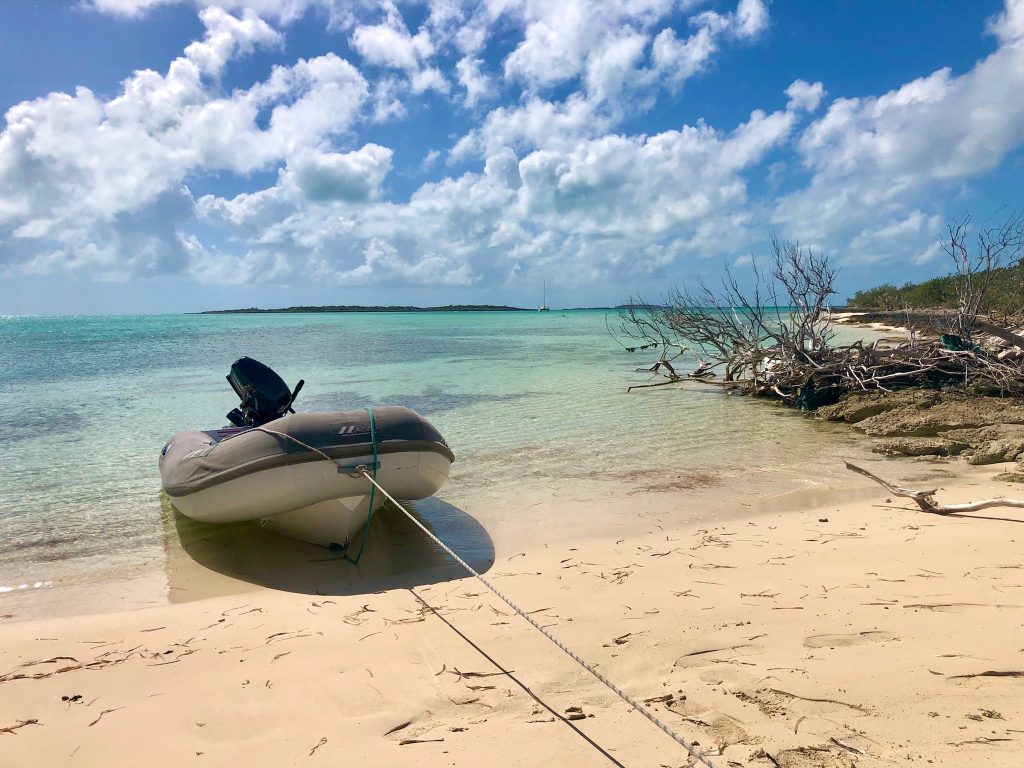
933	423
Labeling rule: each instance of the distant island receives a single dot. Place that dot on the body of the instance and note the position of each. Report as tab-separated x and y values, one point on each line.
356	308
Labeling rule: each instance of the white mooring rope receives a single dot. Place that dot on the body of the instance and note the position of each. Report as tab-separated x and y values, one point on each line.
694	752
364	471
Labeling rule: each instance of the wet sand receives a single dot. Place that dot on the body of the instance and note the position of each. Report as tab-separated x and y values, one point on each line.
861	632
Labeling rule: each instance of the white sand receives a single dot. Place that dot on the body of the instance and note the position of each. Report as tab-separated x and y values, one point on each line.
863	640
853	318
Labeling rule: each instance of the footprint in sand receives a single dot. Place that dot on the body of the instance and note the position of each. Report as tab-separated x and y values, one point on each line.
845	641
726	731
717	674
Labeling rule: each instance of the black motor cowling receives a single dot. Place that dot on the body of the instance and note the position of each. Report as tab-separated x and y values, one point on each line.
263	393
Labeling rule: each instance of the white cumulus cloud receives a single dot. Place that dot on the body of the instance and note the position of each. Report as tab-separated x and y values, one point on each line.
352	176
537	102
98	186
882	158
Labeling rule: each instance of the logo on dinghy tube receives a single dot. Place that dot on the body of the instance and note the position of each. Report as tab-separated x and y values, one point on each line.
354	429
200	452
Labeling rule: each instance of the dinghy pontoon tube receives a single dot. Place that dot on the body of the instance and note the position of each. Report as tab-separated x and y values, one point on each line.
243	473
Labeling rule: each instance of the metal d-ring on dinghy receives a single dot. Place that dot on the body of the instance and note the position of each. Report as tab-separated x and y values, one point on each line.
269	466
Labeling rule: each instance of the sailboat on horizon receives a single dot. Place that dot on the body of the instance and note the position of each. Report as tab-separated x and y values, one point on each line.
544	300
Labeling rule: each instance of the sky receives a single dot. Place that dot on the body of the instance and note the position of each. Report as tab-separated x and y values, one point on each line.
182	155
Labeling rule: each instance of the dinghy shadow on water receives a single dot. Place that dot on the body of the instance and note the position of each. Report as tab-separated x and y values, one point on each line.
211	559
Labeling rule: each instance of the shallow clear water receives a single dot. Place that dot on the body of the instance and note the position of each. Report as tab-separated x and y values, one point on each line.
528	401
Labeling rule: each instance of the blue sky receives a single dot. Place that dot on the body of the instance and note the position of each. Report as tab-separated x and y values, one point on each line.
173	155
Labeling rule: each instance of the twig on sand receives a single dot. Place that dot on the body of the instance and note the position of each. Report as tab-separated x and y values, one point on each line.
104	712
926	499
620	640
41	675
665	697
847	747
697	721
53	660
460	674
765	753
403	742
857	707
19	724
356	618
712	650
323	740
990	673
398	727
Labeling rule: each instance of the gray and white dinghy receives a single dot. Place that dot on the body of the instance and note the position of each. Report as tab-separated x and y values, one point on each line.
270	466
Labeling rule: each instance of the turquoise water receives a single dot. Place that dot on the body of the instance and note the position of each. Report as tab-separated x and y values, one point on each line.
528	402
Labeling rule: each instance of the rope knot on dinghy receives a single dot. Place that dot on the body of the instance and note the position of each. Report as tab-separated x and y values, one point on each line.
365	472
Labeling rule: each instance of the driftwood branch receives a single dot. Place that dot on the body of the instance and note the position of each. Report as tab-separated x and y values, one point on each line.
926	499
19	724
655	384
1005	334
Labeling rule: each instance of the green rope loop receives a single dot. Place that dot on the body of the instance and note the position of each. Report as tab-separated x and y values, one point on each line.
373	490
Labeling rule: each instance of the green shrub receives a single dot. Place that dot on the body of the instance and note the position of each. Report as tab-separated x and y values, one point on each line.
1006	294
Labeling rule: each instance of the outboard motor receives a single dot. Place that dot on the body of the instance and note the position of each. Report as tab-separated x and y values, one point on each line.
263	393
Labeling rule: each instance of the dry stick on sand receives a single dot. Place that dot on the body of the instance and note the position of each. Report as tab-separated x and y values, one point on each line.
926	499
19	724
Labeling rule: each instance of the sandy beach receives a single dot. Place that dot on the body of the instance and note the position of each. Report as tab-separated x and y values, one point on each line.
614	295
861	632
855	319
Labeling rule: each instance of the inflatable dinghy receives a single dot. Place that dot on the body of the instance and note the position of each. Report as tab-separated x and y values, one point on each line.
272	464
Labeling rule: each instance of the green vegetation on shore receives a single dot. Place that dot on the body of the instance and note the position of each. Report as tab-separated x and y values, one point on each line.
1004	294
356	308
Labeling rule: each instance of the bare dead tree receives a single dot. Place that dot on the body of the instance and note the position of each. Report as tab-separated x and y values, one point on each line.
750	335
807	280
976	269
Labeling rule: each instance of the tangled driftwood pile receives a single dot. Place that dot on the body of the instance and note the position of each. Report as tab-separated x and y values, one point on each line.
775	340
815	378
772	365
